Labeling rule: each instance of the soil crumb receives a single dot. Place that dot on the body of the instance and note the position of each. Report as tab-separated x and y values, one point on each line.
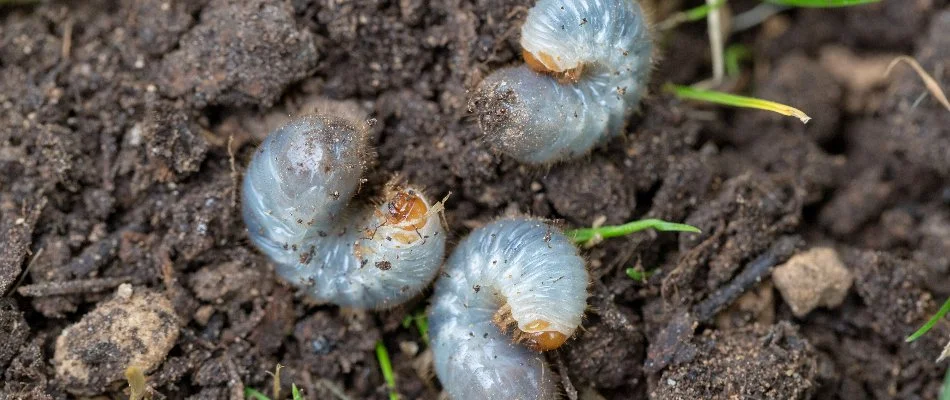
138	330
813	278
241	53
609	351
757	362
13	331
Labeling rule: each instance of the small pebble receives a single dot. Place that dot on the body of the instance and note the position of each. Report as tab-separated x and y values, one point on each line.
124	291
816	277
409	348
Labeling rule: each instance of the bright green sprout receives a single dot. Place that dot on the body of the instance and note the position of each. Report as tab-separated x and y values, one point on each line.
733	56
295	392
387	368
254	394
930	324
421	322
689	93
257	395
640	275
584	236
822	3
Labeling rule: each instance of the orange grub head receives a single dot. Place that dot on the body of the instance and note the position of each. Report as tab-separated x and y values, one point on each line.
536	334
406	208
407	212
545	64
539	339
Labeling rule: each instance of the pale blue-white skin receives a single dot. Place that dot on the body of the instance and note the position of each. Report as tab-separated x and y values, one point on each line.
295	197
531	267
546	118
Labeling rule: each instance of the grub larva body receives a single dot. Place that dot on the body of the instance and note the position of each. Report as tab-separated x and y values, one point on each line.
586	67
518	275
296	198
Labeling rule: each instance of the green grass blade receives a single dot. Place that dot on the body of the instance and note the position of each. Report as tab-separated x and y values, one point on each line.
930	324
686	92
822	3
254	394
422	324
295	391
638	275
586	234
387	368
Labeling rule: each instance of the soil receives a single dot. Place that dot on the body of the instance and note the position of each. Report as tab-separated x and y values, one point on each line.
125	127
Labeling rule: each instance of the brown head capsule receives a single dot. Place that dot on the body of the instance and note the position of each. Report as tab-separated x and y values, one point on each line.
407	209
546	64
536	334
406	212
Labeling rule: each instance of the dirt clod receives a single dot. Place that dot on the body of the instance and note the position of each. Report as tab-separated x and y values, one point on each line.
241	53
609	350
13	331
897	313
758	362
16	231
227	281
330	345
583	192
173	144
118	333
812	278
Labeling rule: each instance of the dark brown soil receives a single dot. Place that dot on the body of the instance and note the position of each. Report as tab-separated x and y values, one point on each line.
125	127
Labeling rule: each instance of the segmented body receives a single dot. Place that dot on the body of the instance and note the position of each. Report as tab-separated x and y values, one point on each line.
517	275
587	64
295	204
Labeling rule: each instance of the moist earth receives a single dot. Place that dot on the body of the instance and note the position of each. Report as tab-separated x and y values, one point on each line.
125	128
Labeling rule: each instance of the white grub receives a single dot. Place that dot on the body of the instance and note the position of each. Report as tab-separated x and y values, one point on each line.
587	64
520	275
296	197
